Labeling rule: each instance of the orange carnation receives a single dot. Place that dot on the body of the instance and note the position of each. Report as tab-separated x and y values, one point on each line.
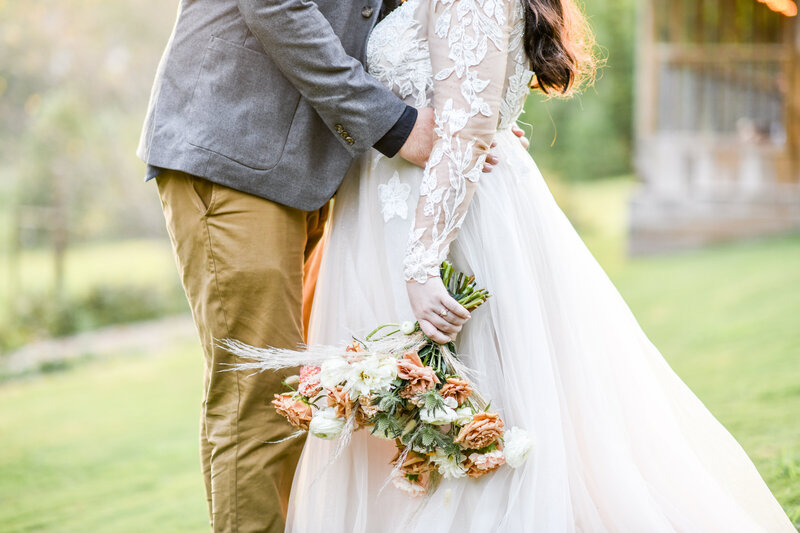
296	412
420	378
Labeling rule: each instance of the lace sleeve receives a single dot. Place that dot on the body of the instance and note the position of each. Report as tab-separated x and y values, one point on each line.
468	42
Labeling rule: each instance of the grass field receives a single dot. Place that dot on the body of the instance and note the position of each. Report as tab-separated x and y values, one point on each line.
111	446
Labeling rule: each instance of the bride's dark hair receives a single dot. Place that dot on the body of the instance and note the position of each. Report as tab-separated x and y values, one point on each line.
560	45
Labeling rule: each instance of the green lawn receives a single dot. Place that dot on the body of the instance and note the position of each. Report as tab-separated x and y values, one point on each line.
111	445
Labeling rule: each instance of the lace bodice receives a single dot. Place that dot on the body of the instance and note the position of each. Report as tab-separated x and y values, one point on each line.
466	58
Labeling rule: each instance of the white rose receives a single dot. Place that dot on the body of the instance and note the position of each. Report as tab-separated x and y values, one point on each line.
374	374
448	466
325	424
441	416
517	445
408	327
333	372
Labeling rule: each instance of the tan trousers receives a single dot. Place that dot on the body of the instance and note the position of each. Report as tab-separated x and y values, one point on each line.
241	260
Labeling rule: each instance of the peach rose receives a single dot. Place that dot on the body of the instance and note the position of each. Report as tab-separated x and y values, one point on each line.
309	381
484	429
415	464
457	389
478	464
298	413
420	378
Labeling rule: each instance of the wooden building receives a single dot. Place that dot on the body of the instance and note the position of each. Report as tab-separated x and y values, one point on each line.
717	122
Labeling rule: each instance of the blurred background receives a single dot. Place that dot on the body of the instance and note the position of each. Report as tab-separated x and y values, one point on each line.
680	169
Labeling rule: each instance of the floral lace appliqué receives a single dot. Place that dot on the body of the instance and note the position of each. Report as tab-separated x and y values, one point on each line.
398	58
394	198
519	81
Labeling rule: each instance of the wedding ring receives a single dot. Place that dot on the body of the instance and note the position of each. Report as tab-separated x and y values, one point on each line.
443	312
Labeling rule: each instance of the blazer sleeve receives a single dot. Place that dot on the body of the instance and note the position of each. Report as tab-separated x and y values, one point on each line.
356	107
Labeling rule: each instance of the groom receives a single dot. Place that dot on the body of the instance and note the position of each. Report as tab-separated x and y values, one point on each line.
257	110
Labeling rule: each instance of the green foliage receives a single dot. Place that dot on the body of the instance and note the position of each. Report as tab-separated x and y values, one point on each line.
426	437
432	400
391	401
39	316
386	425
101	288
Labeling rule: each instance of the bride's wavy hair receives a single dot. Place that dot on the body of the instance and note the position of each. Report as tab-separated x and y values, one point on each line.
560	45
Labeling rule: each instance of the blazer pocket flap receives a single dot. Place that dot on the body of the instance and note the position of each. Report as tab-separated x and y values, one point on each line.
242	106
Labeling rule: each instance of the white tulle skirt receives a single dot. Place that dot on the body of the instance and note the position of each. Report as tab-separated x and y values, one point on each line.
622	445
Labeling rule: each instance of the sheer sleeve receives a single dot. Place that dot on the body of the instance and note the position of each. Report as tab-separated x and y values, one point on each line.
468	42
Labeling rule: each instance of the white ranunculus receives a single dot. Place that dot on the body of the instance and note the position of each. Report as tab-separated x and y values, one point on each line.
372	375
447	465
517	445
408	327
325	424
464	416
332	372
441	416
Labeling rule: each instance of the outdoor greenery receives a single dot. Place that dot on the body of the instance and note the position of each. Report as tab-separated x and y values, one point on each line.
105	283
111	445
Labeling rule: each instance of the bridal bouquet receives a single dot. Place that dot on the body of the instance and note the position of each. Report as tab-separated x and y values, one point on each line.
400	385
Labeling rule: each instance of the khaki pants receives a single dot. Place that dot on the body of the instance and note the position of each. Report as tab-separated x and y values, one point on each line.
241	261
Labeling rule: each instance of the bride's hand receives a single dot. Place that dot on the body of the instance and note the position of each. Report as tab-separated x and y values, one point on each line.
438	314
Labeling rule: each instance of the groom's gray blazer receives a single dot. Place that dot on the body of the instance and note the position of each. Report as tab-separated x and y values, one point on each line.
269	97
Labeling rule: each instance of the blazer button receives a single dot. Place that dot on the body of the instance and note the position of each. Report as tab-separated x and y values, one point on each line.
349	140
339	128
366	12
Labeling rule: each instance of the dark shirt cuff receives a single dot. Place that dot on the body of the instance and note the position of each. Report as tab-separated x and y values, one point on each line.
396	137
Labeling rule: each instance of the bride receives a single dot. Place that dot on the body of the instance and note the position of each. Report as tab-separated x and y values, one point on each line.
621	444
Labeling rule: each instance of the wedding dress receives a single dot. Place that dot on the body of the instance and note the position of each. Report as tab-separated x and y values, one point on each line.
621	444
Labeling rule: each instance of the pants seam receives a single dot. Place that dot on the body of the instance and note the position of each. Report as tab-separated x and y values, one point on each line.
235	513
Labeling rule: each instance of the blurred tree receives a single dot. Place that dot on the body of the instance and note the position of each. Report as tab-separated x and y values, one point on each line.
74	81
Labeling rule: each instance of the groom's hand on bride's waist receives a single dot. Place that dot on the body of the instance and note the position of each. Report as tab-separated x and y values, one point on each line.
419	144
